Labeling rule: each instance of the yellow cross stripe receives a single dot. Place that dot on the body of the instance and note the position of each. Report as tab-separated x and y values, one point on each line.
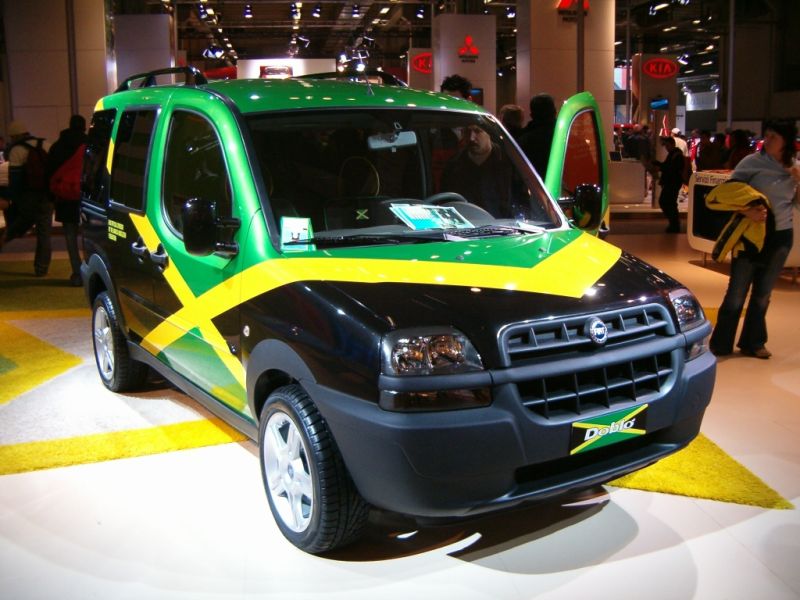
569	272
178	326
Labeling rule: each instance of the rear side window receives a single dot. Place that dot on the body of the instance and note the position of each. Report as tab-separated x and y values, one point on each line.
130	157
194	167
94	179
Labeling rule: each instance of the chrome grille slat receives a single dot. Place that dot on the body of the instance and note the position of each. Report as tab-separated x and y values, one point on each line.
582	391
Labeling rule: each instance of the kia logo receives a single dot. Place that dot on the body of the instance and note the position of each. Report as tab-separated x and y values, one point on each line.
423	62
660	68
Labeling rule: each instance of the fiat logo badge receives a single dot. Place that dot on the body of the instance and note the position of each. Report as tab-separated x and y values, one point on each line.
596	330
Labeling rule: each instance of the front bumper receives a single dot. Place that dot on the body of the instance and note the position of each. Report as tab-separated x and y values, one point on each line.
457	463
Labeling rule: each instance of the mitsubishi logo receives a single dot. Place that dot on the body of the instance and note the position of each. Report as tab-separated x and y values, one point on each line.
469	51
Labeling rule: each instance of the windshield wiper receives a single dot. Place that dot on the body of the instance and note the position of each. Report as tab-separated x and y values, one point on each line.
357	239
494	230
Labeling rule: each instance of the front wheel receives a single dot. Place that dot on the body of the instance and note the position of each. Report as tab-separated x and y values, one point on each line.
118	371
310	493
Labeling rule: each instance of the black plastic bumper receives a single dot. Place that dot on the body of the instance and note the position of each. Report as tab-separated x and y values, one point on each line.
457	463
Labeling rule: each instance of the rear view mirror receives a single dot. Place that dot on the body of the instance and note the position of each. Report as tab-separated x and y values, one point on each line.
204	233
587	207
392	141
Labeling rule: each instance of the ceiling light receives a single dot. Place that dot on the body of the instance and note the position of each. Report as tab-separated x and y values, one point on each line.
696	22
384	10
510	12
618	42
420	12
714	87
356	13
660	6
710	47
708	63
248	11
683	59
210	11
317	12
666	29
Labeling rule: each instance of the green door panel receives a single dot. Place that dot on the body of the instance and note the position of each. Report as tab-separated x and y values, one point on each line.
578	154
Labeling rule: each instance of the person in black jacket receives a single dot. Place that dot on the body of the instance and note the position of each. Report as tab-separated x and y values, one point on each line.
68	211
671	180
537	136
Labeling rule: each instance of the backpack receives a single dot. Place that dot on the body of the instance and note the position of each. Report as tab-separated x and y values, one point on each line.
35	178
65	183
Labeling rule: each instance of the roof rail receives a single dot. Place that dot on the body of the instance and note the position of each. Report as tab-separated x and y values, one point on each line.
193	77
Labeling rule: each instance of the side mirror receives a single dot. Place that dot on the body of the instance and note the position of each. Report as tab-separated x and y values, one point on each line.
204	233
587	206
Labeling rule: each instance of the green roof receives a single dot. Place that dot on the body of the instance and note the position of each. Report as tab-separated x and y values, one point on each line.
259	95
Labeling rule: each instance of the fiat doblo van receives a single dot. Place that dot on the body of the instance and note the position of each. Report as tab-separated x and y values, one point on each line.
375	284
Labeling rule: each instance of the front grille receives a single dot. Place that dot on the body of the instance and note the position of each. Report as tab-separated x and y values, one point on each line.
629	377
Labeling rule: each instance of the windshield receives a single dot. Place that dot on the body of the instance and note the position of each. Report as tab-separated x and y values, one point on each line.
368	174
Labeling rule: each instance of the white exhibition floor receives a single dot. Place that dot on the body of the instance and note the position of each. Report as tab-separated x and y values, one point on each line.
196	524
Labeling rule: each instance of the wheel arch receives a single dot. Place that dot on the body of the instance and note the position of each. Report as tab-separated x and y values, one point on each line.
273	364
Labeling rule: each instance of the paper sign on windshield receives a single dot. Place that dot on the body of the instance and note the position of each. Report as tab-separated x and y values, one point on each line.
428	216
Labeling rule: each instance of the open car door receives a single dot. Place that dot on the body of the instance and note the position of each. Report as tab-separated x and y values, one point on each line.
577	171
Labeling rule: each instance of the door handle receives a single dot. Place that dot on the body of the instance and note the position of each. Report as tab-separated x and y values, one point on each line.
160	258
139	250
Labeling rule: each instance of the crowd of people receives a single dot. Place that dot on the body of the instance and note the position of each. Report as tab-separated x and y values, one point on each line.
43	182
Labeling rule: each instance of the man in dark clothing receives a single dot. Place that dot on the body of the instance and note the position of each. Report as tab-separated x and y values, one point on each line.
671	180
537	136
68	211
479	173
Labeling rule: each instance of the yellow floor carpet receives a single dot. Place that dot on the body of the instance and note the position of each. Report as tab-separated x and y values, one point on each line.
26	361
33	456
704	470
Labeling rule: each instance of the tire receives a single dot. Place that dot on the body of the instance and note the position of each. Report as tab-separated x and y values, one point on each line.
118	371
312	498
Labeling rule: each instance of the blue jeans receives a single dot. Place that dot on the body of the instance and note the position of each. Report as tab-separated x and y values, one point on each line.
759	272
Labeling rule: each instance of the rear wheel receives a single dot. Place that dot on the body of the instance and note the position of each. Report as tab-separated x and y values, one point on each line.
310	493
118	371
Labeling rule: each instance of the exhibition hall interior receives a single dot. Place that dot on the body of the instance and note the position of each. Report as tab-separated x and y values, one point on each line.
474	299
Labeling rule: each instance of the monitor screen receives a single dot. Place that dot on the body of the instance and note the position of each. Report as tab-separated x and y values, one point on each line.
659	104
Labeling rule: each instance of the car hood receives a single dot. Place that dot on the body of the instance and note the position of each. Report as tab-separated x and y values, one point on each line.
482	287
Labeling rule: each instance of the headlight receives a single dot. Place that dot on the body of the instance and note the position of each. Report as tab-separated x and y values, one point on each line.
687	308
432	351
429	352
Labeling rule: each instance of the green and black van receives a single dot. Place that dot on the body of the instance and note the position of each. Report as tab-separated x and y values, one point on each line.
374	283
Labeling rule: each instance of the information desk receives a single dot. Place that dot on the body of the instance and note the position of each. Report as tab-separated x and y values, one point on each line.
703	226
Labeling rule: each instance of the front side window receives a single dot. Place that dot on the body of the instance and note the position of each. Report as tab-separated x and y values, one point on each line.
131	148
381	171
194	167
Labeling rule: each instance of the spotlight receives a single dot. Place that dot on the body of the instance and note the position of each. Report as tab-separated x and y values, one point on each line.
317	12
294	11
248	11
356	11
420	12
511	12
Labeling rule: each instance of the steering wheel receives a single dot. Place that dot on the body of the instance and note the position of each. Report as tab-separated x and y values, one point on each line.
443	197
